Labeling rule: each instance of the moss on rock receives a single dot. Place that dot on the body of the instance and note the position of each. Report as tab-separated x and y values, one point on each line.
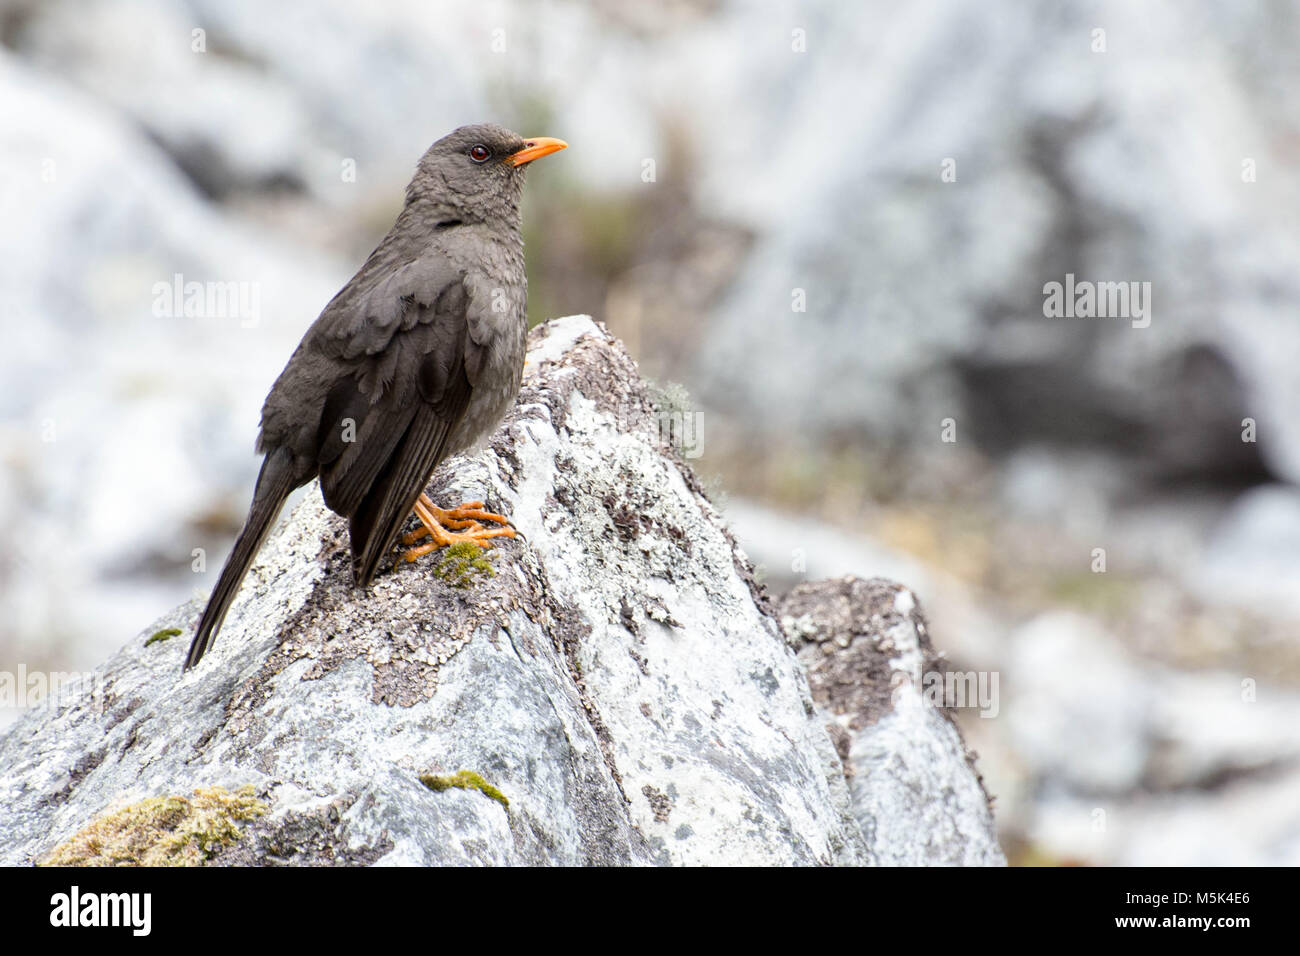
165	634
462	563
161	831
464	780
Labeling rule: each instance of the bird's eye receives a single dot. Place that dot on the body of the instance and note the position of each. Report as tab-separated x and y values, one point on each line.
480	154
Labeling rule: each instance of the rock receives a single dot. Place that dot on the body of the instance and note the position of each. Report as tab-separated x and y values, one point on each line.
1252	555
1081	717
1128	762
916	793
922	297
614	691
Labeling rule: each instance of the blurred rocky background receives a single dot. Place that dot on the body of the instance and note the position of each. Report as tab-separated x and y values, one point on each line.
832	224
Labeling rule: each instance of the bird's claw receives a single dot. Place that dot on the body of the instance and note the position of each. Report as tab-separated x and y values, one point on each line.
451	526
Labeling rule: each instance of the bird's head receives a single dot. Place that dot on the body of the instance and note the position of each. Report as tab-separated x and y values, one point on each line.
476	173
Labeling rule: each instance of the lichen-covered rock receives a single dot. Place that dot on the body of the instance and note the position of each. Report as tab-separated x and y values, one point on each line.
613	691
871	664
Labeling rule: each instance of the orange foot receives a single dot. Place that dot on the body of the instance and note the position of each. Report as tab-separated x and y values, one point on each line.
454	526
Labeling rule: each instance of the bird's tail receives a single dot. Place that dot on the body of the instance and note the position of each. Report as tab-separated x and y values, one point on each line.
274	483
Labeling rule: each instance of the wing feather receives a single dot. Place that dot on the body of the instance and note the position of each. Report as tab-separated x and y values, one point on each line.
376	523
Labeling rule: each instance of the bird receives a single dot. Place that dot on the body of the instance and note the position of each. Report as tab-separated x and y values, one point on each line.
417	358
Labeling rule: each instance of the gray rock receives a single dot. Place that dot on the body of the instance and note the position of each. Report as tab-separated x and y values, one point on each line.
916	792
619	679
1125	761
924	297
1252	556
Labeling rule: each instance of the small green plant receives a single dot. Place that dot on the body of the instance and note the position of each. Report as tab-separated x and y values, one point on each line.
462	564
165	634
464	780
161	831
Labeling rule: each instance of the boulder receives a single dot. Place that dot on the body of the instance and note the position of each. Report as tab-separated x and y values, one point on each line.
611	688
917	795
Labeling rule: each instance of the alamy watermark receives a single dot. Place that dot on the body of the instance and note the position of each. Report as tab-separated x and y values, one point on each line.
1098	300
128	910
962	689
24	688
676	425
208	300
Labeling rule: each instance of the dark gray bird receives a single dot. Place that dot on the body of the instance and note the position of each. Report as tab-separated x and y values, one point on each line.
417	358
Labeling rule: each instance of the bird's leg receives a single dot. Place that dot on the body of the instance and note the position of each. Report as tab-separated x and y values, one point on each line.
446	527
468	515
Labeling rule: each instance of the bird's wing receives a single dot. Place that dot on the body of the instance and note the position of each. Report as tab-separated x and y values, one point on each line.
386	421
377	521
363	318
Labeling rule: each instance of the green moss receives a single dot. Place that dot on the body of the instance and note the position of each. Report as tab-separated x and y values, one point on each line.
164	635
462	563
464	780
161	831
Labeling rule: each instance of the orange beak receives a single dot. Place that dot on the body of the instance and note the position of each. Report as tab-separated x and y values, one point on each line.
535	148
